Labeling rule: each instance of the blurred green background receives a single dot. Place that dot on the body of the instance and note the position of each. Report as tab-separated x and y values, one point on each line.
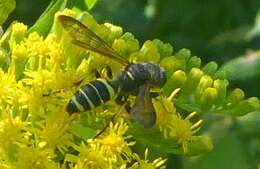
225	31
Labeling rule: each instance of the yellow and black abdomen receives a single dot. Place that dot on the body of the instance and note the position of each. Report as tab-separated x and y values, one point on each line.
90	96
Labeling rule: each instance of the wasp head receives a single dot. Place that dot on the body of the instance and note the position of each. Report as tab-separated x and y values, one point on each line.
157	75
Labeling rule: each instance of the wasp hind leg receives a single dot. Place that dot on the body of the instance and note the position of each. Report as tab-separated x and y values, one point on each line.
124	105
120	100
111	120
123	100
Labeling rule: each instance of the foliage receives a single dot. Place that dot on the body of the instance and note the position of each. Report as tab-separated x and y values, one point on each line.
37	132
5	9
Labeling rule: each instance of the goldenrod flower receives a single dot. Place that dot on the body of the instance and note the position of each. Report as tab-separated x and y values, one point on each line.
53	131
92	157
55	52
19	29
109	151
172	125
32	93
34	158
38	76
11	136
18	32
114	144
158	163
183	130
8	86
19	51
166	111
35	45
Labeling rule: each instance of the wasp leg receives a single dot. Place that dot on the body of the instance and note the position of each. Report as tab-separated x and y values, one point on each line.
128	107
51	93
97	74
125	105
111	120
120	100
109	72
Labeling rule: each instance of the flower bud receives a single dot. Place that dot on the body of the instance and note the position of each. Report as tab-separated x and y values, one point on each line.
115	31
208	98
221	87
126	45
19	56
210	68
235	96
177	79
183	54
205	82
19	51
171	64
246	106
193	62
149	52
165	49
192	81
19	31
133	44
249	123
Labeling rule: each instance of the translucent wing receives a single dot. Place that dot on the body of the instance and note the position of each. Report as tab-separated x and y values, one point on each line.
143	110
84	37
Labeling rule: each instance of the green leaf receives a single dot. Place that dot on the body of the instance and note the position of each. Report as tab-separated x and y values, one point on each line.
241	68
5	49
153	139
90	3
6	7
199	145
82	131
255	31
249	123
45	21
229	151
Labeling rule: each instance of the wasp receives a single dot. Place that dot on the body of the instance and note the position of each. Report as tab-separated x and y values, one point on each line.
135	79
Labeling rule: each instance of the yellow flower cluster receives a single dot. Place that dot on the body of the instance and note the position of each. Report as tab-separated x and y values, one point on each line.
112	150
41	76
172	125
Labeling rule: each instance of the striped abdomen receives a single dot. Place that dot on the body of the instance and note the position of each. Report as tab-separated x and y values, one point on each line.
91	96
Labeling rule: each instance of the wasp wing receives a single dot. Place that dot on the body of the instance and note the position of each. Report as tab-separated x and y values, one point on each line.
85	38
143	110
